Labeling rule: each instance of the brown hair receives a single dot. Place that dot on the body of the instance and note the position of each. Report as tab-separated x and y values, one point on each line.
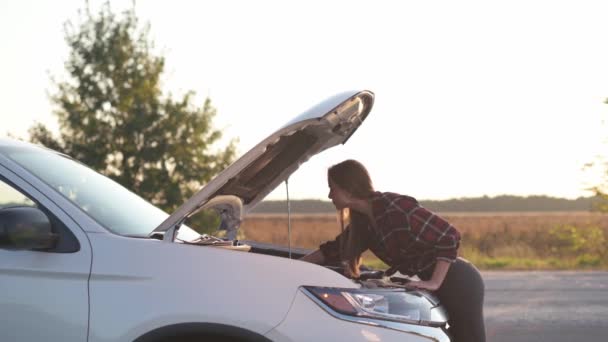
351	176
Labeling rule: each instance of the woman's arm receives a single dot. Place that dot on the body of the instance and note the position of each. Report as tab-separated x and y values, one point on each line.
346	247
328	252
315	257
439	273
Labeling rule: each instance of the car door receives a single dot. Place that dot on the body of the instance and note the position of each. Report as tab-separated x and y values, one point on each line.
43	294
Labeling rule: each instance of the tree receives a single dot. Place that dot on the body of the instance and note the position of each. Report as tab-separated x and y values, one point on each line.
600	190
113	116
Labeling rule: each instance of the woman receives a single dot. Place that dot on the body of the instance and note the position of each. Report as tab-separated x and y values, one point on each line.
408	238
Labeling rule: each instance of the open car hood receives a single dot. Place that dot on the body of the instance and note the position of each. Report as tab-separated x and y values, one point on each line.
243	184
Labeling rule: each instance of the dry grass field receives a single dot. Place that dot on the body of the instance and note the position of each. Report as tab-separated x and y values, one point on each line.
517	240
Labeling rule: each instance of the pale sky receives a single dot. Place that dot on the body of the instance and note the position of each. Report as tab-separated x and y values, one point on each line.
473	98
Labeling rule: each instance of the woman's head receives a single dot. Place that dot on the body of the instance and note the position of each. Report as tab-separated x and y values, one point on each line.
348	181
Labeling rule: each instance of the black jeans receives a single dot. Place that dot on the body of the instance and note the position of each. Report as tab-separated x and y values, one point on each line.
461	293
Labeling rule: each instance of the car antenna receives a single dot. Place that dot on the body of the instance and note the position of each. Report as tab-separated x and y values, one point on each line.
288	217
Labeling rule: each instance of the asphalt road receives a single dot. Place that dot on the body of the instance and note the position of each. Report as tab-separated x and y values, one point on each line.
546	306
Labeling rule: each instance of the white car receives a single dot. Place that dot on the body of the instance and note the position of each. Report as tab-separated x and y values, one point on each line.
84	259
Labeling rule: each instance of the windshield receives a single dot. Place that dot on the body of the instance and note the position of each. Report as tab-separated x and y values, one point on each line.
107	202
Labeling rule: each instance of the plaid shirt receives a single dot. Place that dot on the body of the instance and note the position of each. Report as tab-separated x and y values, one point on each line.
406	236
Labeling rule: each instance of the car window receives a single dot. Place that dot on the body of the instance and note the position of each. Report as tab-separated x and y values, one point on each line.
10	197
107	202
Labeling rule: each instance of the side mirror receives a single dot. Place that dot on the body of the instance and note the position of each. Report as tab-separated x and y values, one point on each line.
26	228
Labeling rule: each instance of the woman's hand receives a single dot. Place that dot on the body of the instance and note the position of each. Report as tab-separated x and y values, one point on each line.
348	273
428	285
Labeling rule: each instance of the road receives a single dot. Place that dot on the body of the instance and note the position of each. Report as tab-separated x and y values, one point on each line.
546	306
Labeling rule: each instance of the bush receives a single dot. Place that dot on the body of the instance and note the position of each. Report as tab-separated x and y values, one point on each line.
571	241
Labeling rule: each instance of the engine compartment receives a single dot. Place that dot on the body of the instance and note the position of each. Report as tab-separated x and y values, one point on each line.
368	277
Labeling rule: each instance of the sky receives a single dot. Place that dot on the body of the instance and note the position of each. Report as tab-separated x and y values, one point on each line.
473	98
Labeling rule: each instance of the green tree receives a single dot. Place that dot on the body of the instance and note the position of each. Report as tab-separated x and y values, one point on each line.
601	194
114	117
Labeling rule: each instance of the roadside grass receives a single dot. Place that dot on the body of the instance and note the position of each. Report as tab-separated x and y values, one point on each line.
583	262
492	241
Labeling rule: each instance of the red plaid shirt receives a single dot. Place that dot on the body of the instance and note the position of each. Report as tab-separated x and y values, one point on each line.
407	237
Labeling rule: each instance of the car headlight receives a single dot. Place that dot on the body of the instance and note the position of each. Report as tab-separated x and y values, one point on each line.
395	305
